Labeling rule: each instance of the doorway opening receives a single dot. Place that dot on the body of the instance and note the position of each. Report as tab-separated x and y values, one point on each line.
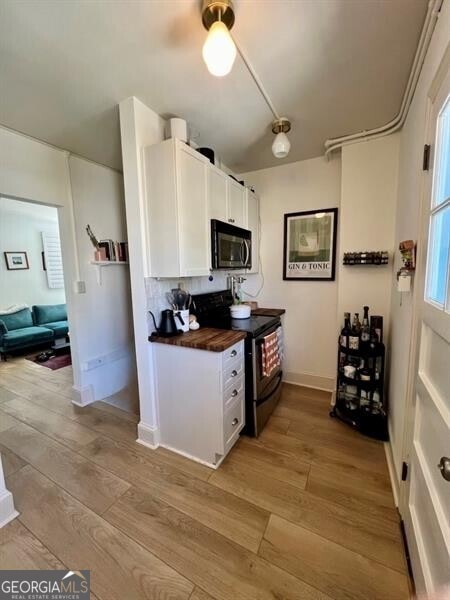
33	315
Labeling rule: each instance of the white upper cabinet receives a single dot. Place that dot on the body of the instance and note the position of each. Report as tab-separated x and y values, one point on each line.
184	191
176	181
236	204
227	198
252	210
218	192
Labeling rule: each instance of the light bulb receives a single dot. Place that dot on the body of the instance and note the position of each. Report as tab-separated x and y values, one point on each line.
219	50
281	145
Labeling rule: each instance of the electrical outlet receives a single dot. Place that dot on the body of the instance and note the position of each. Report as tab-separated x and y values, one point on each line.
79	287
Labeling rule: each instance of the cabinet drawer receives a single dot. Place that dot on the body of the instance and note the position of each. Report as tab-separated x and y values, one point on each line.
233	421
233	391
233	371
233	354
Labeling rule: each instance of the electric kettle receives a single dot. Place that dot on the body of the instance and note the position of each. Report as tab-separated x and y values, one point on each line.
167	326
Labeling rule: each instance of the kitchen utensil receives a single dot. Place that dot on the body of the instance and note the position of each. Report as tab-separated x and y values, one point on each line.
167	326
184	315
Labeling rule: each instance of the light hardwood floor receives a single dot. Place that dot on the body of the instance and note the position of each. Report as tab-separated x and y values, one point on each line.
304	512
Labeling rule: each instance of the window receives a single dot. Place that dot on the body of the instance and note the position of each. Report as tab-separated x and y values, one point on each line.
438	261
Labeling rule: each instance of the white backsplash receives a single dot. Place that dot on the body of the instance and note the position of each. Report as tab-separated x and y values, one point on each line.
156	290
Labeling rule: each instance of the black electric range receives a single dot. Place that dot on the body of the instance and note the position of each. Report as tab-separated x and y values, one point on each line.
261	392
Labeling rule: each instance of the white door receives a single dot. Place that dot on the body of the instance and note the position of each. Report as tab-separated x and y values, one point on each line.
425	504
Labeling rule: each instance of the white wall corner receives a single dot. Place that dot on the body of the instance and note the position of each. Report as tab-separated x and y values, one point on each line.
148	436
86	395
317	382
7	509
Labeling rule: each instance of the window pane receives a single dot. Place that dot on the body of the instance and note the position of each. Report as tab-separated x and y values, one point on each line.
439	256
443	156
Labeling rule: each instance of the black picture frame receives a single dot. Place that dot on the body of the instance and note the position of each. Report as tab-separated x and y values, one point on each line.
303	270
12	261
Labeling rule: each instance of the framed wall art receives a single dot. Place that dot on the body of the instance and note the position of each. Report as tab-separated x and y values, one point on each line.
310	245
16	261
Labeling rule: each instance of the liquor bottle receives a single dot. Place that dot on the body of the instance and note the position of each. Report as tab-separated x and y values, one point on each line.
365	329
345	332
373	338
376	322
364	373
353	339
357	323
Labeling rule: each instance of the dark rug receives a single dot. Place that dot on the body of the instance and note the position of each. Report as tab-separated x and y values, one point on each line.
56	362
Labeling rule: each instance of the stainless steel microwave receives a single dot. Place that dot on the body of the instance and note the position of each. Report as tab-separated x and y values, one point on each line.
231	246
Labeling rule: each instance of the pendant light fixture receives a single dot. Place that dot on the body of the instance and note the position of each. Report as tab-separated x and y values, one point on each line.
281	144
219	54
219	50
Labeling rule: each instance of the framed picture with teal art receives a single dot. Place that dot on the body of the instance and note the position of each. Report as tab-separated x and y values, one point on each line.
310	245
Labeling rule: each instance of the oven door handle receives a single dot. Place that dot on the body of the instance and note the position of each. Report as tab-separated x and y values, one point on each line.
264	398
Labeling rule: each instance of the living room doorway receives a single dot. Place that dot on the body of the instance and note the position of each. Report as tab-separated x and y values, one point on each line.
33	316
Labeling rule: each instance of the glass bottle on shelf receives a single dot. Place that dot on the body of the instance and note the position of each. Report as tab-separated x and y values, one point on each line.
345	332
353	339
364	372
357	323
365	328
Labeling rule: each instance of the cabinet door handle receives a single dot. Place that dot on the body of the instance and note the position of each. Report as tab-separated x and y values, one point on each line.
234	393
235	421
233	353
233	373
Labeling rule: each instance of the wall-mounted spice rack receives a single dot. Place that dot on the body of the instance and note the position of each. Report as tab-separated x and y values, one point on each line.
372	257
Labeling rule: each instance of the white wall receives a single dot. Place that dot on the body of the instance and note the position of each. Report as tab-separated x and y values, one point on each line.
21	225
36	172
407	227
139	127
368	202
104	310
310	323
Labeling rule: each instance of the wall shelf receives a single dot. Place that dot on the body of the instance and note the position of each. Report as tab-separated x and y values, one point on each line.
106	263
372	257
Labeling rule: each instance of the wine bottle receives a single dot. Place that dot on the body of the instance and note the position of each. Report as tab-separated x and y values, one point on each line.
365	329
357	323
353	339
345	332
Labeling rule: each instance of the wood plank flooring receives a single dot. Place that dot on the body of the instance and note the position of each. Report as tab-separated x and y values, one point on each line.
304	512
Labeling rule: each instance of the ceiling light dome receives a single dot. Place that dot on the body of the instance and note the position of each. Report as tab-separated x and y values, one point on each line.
219	50
281	144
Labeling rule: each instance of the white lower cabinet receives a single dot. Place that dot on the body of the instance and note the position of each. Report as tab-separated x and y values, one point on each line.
201	400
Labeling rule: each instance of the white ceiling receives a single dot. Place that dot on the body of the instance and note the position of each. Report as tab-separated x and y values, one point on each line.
332	66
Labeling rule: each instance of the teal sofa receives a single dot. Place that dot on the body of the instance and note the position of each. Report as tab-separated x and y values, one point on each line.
52	316
26	328
18	331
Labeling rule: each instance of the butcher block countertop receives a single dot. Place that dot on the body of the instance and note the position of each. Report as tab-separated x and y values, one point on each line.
205	338
268	312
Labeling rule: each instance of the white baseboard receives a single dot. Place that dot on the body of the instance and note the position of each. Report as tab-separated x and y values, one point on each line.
327	384
148	436
86	396
7	509
392	472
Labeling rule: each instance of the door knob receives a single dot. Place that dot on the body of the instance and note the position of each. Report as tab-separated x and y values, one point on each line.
444	467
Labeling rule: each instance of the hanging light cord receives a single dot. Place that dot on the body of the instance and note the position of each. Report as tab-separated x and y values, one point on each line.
256	79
